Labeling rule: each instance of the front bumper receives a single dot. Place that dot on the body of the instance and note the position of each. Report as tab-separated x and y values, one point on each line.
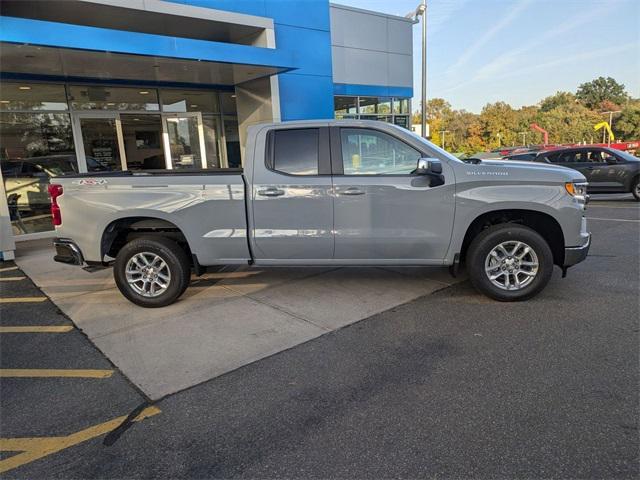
67	252
573	255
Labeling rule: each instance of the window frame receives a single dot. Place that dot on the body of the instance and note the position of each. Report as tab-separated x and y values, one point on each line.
324	157
336	152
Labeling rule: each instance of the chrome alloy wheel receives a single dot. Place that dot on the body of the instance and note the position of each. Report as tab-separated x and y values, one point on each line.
637	189
511	265
148	274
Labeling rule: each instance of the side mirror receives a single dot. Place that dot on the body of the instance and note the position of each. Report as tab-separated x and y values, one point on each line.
428	166
611	160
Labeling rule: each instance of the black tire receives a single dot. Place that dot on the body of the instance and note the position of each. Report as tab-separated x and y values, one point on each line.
487	240
635	188
171	253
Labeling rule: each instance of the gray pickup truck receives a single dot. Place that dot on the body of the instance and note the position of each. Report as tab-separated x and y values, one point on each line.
326	193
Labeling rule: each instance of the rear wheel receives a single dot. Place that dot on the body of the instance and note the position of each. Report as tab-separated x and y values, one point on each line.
152	271
509	262
635	188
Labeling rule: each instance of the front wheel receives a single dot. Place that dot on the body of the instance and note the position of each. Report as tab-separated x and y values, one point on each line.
152	271
509	262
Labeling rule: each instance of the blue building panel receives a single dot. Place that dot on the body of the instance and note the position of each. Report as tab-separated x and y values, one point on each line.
304	97
53	34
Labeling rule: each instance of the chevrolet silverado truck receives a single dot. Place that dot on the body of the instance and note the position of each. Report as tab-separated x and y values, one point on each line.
340	193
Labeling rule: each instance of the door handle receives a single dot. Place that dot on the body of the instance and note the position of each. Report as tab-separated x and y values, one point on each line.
590	168
353	191
271	192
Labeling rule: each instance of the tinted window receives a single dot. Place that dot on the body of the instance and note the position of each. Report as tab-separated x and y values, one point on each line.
296	151
565	157
369	152
595	156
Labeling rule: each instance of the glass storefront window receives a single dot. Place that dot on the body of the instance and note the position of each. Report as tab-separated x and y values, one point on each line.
211	126
32	96
232	142
383	109
89	97
34	147
142	139
368	105
400	105
228	102
189	101
345	107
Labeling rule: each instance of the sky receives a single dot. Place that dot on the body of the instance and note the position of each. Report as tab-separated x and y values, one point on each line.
520	51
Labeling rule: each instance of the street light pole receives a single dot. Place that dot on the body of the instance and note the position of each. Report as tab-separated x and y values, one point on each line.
524	138
423	10
610	112
442	133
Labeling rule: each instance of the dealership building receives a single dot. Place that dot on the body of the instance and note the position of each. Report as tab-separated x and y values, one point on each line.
103	85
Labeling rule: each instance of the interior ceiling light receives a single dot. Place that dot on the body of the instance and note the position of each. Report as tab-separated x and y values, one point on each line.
144	92
194	105
24	87
5	101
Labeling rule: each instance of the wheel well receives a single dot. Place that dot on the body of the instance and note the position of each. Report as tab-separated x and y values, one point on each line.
544	224
120	232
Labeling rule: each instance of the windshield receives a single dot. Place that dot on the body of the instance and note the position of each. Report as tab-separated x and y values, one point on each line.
432	146
626	155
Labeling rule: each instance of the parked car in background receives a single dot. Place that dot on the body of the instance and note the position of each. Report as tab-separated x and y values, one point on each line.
522	157
606	169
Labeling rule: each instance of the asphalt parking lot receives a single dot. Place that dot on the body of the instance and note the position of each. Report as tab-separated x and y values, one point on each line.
448	385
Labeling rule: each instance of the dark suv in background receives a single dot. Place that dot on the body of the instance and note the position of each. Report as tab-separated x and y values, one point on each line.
607	170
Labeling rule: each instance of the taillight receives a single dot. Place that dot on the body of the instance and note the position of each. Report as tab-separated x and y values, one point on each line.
55	191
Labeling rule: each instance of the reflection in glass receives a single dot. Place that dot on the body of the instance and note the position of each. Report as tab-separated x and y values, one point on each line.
228	102
189	101
184	142
400	105
142	136
345	107
32	96
89	97
33	148
369	152
211	125
232	142
100	141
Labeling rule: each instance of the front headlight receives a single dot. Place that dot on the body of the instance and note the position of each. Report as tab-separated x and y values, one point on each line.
577	190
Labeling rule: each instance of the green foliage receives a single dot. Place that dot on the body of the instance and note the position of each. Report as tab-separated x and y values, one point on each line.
593	93
567	117
627	126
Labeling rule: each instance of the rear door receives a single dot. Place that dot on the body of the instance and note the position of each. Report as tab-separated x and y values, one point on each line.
384	213
291	198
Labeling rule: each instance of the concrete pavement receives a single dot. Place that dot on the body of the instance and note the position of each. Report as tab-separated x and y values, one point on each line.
225	319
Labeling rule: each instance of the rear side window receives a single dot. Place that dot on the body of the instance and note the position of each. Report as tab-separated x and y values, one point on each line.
296	151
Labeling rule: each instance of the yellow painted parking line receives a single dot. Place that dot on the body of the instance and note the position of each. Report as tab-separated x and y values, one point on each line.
35	448
38	329
11	279
51	372
22	299
8	269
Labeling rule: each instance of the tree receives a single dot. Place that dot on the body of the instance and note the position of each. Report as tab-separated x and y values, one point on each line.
593	93
557	100
627	125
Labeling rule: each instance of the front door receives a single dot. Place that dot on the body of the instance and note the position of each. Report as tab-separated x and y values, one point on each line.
184	143
99	141
383	213
291	198
605	172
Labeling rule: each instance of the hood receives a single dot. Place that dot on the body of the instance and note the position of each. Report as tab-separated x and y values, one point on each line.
523	171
